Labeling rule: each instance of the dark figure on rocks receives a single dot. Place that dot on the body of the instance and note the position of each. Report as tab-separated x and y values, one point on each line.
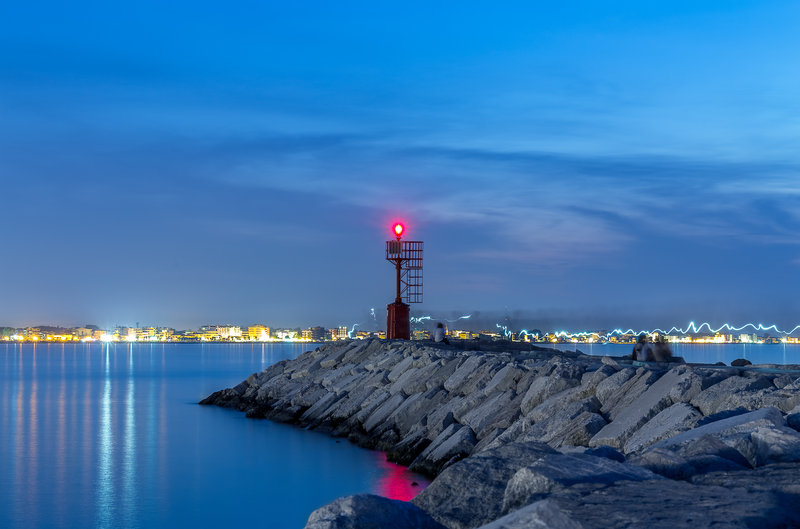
439	334
643	351
661	350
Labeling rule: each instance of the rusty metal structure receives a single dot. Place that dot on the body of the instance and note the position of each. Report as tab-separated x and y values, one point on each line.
407	259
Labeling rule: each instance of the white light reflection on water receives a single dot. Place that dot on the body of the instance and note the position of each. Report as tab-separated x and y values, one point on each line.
19	436
129	447
105	479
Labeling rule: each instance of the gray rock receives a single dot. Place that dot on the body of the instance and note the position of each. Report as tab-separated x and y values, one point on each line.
780	477
603	451
488	439
455	443
470	493
793	418
667	423
612	384
415	380
727	394
445	369
479	380
404	365
560	375
317	411
630	392
409	415
349	404
505	379
509	435
554	472
656	504
781	381
650	402
673	465
611	362
709	445
591	379
664	462
574	424
383	411
408	378
370	404
464	371
760	436
443	416
557	402
487	415
544	514
367	511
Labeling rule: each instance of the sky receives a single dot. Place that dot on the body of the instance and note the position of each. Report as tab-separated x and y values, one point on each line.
575	164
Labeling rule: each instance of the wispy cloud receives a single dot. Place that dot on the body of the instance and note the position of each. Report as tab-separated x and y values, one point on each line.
558	205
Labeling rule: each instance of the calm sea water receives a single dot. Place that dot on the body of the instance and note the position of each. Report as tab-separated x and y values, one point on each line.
709	353
112	436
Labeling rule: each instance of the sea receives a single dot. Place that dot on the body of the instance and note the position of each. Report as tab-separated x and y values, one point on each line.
111	436
757	353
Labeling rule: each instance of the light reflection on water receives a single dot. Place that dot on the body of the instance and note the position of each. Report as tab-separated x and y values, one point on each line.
111	436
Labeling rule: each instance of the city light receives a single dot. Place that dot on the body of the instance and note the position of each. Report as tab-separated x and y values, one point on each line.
693	333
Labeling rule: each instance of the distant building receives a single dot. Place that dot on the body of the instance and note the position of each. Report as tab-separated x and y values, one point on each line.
317	334
82	332
421	335
229	332
258	333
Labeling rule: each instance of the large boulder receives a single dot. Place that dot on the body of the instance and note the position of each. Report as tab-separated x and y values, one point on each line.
555	403
650	401
676	465
470	493
781	477
498	410
574	425
728	394
544	514
558	374
367	511
760	436
655	504
611	385
505	379
455	443
667	423
555	472
463	372
630	392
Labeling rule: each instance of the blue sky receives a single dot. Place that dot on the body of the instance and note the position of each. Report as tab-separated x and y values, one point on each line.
614	163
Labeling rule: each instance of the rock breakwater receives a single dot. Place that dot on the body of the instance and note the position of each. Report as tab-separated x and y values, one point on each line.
518	437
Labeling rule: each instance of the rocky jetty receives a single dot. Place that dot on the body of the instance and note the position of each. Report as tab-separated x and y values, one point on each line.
531	437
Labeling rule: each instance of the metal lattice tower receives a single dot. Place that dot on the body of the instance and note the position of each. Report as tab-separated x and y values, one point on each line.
407	259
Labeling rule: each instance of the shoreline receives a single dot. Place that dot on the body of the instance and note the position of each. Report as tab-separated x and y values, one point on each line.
549	431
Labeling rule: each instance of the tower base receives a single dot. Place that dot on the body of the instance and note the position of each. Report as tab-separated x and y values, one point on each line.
398	325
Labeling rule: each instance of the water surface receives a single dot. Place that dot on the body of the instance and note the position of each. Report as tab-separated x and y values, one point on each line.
764	353
111	435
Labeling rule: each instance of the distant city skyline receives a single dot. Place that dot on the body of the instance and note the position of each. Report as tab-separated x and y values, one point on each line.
694	333
585	165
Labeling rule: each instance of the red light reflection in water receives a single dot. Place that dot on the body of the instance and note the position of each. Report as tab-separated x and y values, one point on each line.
396	481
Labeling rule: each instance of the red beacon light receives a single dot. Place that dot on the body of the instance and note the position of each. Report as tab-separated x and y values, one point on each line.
398	230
